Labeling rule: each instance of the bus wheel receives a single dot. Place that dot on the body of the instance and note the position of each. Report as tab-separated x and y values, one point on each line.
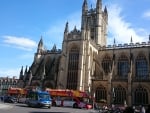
75	105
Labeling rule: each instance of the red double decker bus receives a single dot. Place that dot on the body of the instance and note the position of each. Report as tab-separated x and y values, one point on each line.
70	98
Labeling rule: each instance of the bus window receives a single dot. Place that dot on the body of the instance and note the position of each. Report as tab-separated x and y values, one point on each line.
32	96
46	97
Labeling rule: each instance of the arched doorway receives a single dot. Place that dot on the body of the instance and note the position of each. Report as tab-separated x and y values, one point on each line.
140	96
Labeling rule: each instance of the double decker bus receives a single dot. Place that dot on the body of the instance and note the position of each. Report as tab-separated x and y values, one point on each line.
70	98
18	93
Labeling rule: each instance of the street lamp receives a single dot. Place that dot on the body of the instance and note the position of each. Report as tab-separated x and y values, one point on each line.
92	91
113	97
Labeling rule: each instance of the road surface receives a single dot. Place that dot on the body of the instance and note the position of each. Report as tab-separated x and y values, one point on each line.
23	108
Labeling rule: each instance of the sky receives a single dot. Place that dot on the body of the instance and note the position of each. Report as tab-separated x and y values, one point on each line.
23	22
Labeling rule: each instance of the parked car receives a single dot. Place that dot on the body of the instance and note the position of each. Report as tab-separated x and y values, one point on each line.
22	100
69	102
1	98
10	99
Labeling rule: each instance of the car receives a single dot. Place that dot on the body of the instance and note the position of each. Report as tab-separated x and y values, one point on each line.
85	105
70	102
56	102
2	98
22	100
10	99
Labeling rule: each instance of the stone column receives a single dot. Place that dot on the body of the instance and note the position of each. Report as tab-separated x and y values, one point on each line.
129	90
109	89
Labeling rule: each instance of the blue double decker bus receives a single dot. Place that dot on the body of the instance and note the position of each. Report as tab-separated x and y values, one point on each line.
38	99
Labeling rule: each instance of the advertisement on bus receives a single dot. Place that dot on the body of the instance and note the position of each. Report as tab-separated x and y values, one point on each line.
70	98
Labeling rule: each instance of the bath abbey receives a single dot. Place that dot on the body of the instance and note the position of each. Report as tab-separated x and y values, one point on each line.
118	73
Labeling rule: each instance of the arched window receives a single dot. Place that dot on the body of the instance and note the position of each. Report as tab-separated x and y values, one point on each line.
100	94
140	96
72	78
123	66
141	67
107	64
119	95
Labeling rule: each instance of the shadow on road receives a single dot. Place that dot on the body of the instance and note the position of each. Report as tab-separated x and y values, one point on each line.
49	112
26	106
22	105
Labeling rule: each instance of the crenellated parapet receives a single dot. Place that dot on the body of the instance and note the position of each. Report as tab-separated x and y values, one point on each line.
125	45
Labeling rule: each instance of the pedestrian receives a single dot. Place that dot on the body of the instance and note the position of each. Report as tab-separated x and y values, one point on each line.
143	109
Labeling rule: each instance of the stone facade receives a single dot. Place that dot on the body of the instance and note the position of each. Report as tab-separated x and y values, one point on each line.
6	83
44	69
117	74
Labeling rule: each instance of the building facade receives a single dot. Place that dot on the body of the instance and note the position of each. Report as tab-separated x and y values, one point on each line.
6	83
117	73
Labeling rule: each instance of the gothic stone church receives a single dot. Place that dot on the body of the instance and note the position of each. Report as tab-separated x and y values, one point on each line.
116	73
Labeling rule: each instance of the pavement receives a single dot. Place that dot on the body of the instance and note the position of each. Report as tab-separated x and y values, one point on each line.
5	105
92	111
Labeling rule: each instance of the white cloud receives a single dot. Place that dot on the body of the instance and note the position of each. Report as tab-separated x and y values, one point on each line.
9	72
147	14
20	42
120	29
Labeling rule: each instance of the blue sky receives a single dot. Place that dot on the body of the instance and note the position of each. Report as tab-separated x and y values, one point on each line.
23	22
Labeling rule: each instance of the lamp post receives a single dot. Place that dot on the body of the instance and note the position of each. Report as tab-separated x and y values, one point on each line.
113	97
93	92
93	100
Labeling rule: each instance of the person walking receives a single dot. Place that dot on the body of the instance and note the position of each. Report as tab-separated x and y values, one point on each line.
143	109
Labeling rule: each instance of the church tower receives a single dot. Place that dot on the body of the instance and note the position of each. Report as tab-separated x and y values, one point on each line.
95	20
40	51
80	47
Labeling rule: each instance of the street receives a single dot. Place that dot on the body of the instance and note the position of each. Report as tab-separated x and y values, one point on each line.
23	108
